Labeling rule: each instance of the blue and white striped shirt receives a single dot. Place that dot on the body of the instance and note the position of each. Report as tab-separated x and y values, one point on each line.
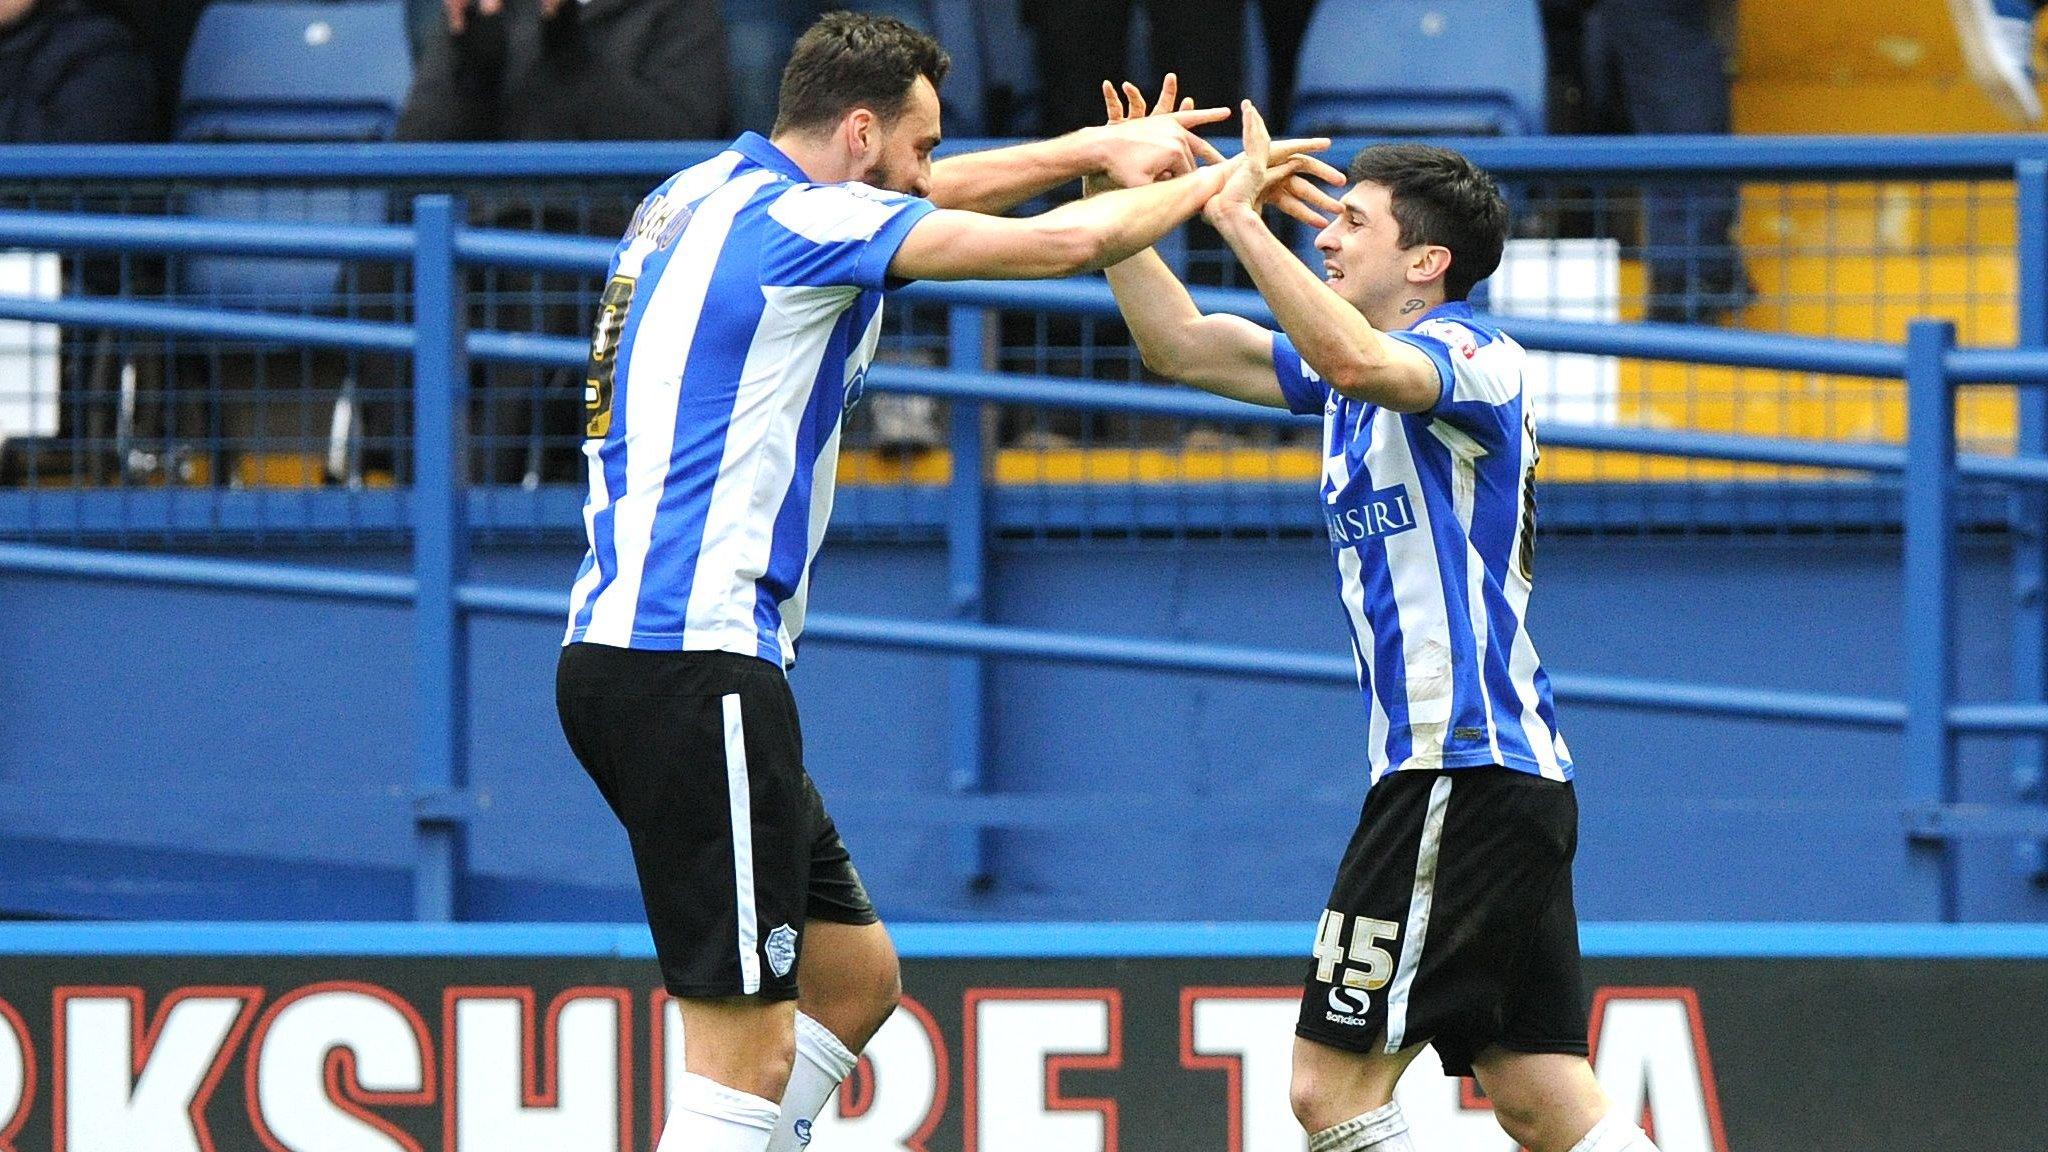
1431	518
743	307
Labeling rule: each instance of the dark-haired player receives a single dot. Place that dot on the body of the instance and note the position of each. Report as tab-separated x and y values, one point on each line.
1451	920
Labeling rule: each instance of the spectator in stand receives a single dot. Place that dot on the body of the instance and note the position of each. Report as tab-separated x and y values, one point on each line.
163	30
761	33
535	70
571	70
1654	67
74	75
1081	44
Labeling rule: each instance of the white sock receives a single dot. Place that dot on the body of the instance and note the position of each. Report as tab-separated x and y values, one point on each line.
821	1063
1383	1129
1614	1133
710	1117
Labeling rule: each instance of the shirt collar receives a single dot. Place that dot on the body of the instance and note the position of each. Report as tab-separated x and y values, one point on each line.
1451	309
756	147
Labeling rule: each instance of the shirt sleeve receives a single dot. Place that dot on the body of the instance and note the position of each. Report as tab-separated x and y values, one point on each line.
1481	389
1305	391
838	235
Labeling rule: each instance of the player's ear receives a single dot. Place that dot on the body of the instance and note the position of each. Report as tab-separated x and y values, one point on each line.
861	132
1431	262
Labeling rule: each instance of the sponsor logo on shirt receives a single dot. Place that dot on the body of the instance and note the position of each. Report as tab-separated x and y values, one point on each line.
1456	337
1368	516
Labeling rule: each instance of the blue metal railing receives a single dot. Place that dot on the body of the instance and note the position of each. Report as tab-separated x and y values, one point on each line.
438	245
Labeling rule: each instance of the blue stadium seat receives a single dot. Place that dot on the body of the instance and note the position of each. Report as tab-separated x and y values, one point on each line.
295	70
289	71
1421	68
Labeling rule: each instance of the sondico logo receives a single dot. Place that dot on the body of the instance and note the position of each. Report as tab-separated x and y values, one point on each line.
1348	1006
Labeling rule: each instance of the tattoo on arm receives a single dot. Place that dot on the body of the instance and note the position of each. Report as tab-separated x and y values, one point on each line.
1411	306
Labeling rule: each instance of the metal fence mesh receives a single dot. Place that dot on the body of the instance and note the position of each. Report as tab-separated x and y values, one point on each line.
177	439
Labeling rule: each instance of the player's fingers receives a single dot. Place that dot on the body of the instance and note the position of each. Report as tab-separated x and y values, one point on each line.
1169	93
1322	170
1256	142
1135	99
1205	150
1300	211
1309	193
458	11
1196	117
1186	103
1286	149
1112	108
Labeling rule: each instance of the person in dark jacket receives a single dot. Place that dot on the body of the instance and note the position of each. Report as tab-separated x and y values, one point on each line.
536	70
74	75
571	70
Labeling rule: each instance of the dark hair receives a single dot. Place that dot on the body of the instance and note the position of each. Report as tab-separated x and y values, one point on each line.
1439	197
851	60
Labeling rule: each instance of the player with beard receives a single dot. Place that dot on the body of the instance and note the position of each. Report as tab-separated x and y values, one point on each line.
740	314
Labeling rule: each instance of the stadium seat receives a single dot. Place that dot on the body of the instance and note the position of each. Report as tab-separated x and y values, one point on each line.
295	70
1421	68
289	71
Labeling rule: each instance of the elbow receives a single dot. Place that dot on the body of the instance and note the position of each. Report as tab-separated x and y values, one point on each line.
1075	249
1158	361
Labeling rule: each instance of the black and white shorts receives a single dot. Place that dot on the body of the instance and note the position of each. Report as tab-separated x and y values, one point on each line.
1451	921
700	756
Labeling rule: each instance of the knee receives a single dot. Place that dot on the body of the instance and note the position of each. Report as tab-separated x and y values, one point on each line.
1520	1120
1317	1102
885	991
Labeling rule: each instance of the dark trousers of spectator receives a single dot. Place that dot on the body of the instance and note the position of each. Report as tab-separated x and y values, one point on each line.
1654	67
1081	45
525	423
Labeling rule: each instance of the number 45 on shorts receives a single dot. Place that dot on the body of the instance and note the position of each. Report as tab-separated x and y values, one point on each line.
1366	934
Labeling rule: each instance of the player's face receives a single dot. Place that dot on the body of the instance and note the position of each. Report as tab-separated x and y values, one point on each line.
1363	259
903	152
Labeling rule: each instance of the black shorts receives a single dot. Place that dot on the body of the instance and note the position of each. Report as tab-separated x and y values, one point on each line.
700	757
1451	921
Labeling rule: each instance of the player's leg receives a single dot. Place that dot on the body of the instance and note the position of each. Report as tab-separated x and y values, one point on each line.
850	986
1345	1100
737	1053
849	975
1550	1102
1369	979
1534	1071
698	755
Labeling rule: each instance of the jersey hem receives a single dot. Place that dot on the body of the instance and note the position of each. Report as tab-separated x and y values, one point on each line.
1479	759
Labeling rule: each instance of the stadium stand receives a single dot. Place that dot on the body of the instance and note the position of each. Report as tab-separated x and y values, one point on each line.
1437	67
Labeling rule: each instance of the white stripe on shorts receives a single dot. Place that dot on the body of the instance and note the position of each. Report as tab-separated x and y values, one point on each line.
1418	912
742	844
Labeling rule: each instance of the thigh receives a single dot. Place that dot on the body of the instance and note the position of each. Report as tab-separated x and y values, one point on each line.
696	753
836	893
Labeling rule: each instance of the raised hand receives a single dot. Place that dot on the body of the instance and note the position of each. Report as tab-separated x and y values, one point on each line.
1277	173
1138	143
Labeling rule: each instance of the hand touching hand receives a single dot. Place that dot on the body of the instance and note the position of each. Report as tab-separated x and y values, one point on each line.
1276	173
1138	148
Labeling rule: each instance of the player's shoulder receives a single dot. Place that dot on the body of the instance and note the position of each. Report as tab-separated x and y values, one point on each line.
829	213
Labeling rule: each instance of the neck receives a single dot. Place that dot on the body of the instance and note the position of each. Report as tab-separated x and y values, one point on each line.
821	163
1404	311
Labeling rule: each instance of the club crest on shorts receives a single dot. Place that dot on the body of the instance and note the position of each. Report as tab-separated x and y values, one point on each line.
781	949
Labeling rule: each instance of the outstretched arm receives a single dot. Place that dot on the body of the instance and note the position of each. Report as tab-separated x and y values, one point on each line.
1227	355
1134	152
1077	237
1351	355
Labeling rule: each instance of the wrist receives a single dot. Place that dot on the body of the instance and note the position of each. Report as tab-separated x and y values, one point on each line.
1088	150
